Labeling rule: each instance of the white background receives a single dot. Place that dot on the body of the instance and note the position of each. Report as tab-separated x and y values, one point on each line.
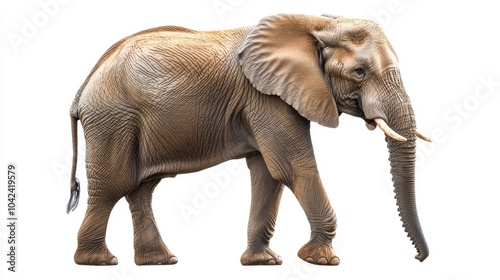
449	61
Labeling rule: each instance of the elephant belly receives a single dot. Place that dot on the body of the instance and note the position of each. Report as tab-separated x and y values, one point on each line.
183	147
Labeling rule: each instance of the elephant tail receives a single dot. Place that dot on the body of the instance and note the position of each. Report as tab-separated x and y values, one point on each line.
74	114
75	184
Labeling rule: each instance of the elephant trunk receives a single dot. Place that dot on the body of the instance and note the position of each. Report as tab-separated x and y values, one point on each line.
402	156
394	106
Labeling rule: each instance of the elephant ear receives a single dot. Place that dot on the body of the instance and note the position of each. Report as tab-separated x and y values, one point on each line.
281	57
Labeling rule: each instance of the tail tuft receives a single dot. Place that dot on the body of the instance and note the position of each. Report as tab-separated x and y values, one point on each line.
75	196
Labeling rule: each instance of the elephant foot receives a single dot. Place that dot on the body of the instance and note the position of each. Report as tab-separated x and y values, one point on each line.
264	256
95	257
317	253
161	256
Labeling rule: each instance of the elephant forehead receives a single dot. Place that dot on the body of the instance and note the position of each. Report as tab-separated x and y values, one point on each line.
368	42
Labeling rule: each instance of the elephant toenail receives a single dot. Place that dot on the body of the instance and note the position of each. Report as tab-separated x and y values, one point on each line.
322	260
112	261
272	262
335	261
173	260
310	260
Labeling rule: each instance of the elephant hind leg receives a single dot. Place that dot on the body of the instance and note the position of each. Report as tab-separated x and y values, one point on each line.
266	196
148	244
92	249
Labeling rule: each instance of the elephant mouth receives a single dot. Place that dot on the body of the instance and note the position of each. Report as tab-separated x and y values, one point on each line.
355	108
370	124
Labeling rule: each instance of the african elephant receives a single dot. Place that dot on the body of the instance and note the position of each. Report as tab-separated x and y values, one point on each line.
171	100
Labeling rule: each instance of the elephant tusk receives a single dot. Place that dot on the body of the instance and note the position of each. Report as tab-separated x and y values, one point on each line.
388	131
419	135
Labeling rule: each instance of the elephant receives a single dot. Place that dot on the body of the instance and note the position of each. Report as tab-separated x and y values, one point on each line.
171	100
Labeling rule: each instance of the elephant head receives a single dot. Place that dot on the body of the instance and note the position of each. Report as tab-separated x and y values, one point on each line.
325	66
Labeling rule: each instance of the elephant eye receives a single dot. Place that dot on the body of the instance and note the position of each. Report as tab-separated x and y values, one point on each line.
359	72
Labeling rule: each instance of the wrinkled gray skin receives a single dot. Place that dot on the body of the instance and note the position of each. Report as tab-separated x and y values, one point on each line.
170	100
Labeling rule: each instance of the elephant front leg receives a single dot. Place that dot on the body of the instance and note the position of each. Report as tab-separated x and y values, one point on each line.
266	195
312	197
148	245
